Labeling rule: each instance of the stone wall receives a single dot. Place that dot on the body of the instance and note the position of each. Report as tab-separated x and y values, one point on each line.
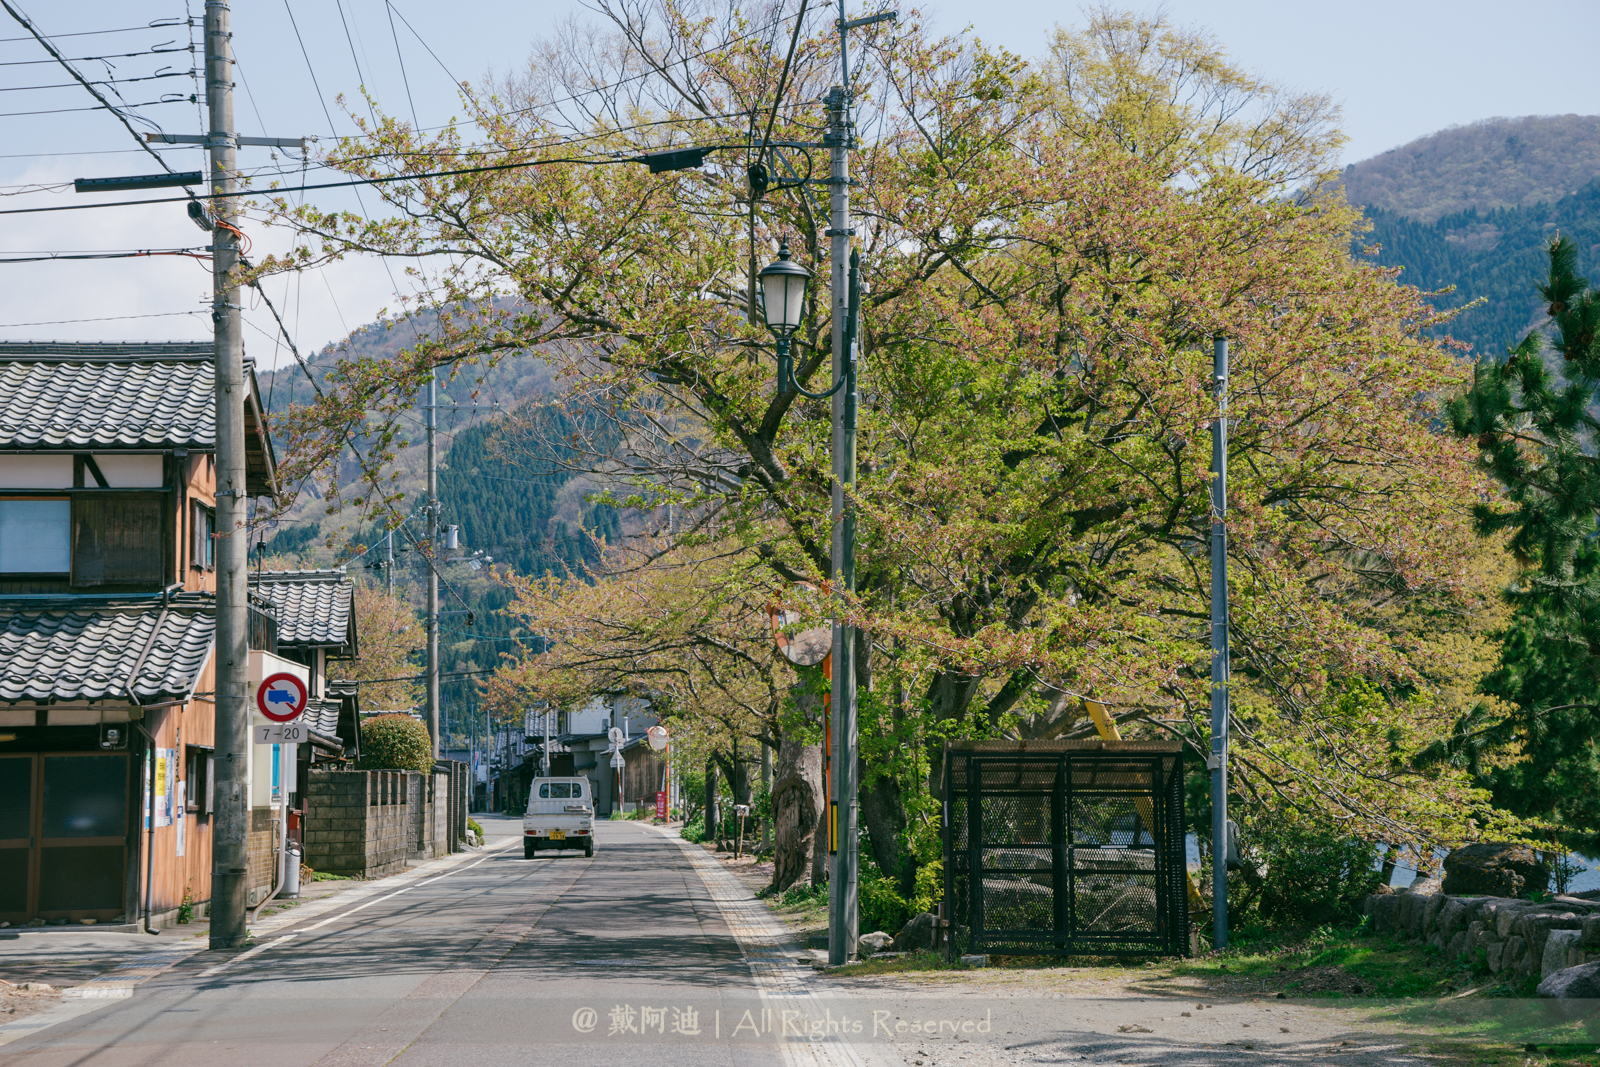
1515	938
362	824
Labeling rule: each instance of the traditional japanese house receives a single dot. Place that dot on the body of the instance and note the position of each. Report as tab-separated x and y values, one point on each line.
107	625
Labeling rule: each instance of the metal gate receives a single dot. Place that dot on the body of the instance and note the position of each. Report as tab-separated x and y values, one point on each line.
1066	847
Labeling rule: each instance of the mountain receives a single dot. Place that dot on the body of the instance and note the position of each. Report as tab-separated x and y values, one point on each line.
1495	163
1474	208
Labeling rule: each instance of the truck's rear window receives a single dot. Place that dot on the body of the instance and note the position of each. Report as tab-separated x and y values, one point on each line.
560	790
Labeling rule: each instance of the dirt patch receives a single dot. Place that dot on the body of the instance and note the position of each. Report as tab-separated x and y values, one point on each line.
1329	978
18	1003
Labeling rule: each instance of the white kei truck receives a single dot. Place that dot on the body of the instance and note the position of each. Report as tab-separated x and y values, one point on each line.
560	815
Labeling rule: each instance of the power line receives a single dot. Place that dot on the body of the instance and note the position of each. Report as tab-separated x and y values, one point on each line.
56	53
47	257
156	25
116	110
594	161
88	59
103	81
104	318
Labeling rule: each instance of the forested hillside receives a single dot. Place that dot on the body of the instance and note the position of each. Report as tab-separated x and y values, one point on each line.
1475	207
1495	163
1497	255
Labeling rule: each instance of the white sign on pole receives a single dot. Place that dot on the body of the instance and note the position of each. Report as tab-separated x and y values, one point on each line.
615	734
616	760
283	733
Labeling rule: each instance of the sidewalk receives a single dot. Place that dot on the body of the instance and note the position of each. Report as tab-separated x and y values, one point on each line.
81	962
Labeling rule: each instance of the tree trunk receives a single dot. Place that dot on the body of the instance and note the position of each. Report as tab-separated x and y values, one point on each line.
797	803
711	801
766	787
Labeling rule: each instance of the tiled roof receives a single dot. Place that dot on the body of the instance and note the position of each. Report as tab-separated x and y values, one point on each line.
63	396
86	651
313	607
322	716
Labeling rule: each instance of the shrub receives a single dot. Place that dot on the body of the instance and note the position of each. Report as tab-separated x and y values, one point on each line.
1313	874
395	743
694	832
472	824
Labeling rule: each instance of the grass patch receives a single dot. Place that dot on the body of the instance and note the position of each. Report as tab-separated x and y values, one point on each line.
324	876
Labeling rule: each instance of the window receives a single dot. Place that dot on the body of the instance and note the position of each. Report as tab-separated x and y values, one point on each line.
34	536
198	774
117	539
559	791
203	554
577	790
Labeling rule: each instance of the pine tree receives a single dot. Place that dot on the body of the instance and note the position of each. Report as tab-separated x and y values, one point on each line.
1534	420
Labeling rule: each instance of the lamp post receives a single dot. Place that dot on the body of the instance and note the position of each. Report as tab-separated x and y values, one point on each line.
783	301
783	286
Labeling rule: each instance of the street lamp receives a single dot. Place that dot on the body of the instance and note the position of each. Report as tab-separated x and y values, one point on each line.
783	301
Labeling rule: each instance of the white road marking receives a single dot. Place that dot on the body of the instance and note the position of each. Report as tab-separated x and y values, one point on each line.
390	896
246	954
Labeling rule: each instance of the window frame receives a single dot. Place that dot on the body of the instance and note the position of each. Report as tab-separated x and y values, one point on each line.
65	498
202	537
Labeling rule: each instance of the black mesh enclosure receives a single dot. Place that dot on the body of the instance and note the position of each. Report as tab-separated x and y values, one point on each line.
1066	847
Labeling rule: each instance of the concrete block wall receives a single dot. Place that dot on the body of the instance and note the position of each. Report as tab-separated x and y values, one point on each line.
1516	938
357	822
260	852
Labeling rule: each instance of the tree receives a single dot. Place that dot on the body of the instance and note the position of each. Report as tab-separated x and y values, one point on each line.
1034	492
391	637
1533	421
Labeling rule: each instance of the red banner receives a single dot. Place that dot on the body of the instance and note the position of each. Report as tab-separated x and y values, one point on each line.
661	805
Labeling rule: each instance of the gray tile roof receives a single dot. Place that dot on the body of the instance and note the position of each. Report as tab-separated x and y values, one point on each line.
314	608
70	396
85	650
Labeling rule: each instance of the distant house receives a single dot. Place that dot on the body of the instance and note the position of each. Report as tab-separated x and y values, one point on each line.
107	631
580	746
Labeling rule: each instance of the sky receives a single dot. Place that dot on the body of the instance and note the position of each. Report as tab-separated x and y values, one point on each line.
1401	69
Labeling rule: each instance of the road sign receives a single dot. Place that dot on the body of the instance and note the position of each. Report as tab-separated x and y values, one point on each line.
281	697
615	734
616	760
283	733
658	737
661	804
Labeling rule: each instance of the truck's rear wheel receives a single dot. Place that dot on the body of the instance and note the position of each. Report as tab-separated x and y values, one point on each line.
588	847
530	848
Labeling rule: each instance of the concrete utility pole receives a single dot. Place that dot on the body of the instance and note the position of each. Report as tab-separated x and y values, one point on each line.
1218	763
229	850
432	559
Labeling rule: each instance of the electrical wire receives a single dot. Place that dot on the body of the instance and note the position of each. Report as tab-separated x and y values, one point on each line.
99	255
91	59
158	24
103	81
56	53
103	318
594	161
783	79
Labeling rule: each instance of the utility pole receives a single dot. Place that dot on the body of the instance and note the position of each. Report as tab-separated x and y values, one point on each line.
432	559
844	280
229	851
388	563
1218	762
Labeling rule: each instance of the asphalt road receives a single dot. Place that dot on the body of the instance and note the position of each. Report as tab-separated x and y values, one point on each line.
622	959
648	955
